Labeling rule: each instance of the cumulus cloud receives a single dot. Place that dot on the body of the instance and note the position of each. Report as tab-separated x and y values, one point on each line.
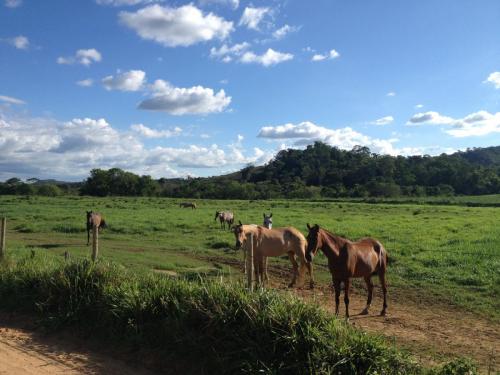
152	133
284	31
133	80
173	27
227	53
82	56
383	121
494	79
47	148
232	3
475	124
307	132
270	57
85	82
252	17
11	100
333	54
13	3
183	101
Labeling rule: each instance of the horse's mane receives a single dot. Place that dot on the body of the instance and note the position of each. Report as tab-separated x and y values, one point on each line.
337	239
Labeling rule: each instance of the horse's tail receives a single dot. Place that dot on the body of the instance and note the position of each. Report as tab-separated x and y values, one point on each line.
382	255
103	224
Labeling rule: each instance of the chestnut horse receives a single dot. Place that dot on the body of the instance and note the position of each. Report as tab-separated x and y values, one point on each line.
94	218
273	243
347	259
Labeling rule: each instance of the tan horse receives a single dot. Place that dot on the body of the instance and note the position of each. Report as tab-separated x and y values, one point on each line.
225	217
273	243
94	218
187	205
347	259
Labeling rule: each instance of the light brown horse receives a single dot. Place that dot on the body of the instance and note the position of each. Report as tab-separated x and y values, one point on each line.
187	205
225	217
347	259
94	218
273	243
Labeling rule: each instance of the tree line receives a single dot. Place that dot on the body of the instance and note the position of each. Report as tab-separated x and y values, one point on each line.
317	171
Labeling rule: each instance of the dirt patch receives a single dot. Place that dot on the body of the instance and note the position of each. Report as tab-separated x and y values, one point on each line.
166	272
23	351
433	331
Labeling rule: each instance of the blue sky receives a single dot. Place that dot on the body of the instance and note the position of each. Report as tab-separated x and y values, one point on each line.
174	88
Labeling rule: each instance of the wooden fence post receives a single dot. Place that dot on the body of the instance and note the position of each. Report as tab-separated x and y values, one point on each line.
250	271
95	242
3	231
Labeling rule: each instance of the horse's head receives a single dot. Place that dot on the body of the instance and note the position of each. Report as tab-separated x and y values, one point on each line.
268	221
89	215
240	235
314	242
217	214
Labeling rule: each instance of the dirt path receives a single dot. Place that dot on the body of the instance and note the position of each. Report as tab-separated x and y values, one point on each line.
433	331
24	352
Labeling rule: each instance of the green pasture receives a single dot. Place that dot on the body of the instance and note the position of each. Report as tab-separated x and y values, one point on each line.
443	253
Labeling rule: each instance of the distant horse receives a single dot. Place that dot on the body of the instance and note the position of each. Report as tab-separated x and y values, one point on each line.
225	217
273	243
347	259
94	218
187	205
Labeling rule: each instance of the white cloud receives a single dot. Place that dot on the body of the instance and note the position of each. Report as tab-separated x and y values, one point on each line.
13	3
85	82
475	124
494	79
226	53
390	93
252	17
118	3
383	121
307	132
430	117
232	3
47	148
152	133
132	80
11	100
20	42
270	57
418	106
333	54
82	56
183	101
284	31
173	27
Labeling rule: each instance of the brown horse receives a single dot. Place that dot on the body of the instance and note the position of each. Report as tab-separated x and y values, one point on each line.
273	243
347	259
94	218
187	205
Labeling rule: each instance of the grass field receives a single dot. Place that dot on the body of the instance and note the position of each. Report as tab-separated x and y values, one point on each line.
450	253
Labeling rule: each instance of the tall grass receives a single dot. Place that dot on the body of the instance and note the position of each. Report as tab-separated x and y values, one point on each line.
194	326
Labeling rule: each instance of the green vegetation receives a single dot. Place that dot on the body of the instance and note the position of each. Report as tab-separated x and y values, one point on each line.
319	171
437	253
223	326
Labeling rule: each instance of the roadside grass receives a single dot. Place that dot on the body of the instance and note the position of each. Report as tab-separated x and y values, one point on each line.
202	326
446	253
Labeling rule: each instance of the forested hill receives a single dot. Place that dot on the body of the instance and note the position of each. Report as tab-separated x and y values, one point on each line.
317	171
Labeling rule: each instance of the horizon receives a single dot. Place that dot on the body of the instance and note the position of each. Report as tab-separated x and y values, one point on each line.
203	88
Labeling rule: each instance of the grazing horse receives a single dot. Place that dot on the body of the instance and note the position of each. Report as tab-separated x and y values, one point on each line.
187	205
94	218
347	259
225	217
273	243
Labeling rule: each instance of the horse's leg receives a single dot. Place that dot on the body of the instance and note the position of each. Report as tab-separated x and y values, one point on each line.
264	266
347	284
309	266
383	283
88	236
369	286
295	265
336	287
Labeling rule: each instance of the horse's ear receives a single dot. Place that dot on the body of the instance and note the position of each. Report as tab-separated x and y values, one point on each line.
316	226
239	221
308	226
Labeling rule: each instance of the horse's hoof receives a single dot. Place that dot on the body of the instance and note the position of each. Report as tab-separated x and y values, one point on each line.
311	286
383	313
364	312
291	285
